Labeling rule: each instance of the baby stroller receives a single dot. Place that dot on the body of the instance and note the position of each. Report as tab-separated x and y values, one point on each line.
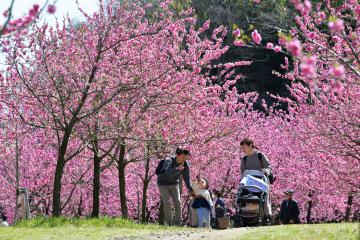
251	199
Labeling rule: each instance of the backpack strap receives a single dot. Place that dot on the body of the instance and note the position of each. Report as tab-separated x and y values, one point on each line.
245	158
260	158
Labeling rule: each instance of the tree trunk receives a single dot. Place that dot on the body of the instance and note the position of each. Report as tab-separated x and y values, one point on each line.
145	185
308	216
348	208
96	187
17	176
79	210
122	186
96	175
144	201
60	164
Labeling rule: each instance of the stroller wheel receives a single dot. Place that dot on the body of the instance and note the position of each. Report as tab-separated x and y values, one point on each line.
266	221
238	221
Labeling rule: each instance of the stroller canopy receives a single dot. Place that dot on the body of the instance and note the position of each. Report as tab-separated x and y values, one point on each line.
254	181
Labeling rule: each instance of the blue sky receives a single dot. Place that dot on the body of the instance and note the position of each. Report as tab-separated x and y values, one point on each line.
63	7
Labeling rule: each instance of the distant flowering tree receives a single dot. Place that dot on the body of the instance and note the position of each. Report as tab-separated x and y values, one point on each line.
325	45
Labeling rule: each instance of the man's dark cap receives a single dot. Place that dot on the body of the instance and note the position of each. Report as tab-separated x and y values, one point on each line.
289	191
181	150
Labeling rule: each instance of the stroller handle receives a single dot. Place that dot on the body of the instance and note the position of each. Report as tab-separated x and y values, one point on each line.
252	186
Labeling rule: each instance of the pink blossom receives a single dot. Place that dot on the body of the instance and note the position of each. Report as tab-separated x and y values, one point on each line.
308	47
308	66
293	31
34	10
357	10
282	41
277	48
256	36
173	29
294	47
307	6
337	25
51	9
6	13
311	60
237	32
337	71
239	43
269	45
299	6
338	86
307	70
206	25
312	35
321	15
336	39
318	21
257	1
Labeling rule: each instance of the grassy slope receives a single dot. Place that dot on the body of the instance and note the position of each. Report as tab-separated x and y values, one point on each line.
343	231
107	228
62	228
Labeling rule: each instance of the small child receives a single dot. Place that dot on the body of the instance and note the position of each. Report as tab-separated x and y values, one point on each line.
203	203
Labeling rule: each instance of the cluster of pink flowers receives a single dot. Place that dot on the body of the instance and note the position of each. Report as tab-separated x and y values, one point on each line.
256	37
308	66
337	25
20	23
294	47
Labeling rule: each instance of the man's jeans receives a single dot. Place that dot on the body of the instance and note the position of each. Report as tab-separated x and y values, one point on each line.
167	192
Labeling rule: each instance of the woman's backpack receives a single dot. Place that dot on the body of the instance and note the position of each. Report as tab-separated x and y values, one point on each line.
159	167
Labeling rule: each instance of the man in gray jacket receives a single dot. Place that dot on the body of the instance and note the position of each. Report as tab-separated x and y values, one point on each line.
168	183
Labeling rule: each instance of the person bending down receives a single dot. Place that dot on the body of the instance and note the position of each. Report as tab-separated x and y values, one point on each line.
169	173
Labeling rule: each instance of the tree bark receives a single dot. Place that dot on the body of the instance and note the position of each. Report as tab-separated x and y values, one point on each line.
17	176
121	165
79	210
96	175
348	208
308	216
144	201
96	187
60	164
145	185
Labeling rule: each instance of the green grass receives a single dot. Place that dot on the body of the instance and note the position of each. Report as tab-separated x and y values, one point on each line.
342	231
110	228
86	222
75	228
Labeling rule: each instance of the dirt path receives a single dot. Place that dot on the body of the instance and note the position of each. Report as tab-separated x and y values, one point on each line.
228	234
213	235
